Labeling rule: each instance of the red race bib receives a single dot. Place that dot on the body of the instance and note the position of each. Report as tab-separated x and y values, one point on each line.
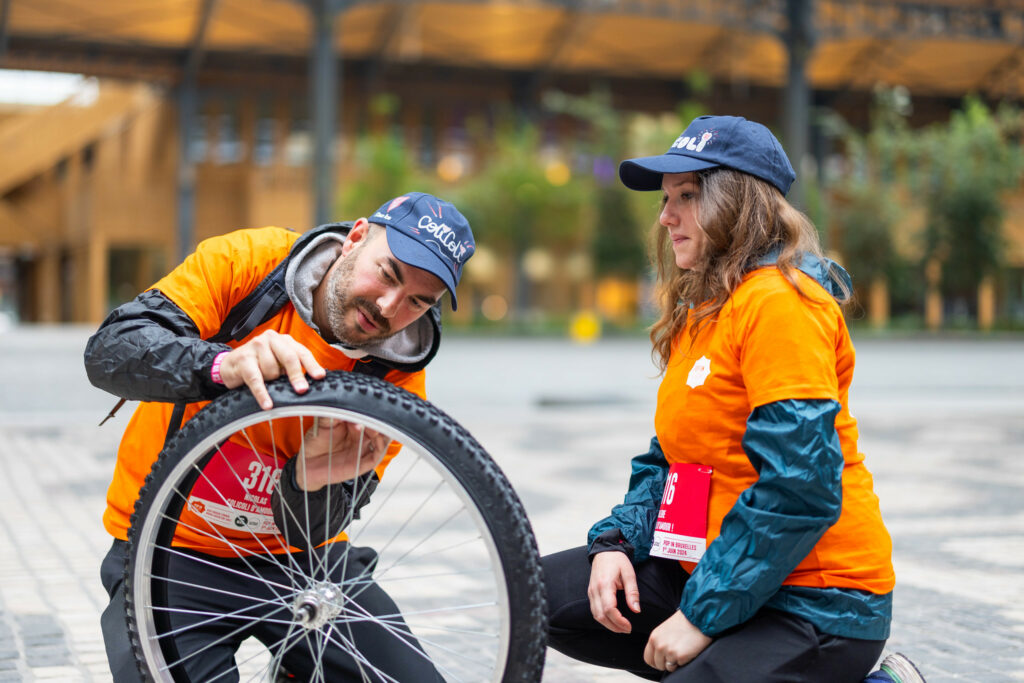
235	487
681	530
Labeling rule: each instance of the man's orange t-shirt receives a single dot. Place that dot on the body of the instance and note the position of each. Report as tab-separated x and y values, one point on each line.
207	285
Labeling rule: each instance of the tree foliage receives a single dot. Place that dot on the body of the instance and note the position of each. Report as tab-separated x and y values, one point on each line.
382	165
957	172
865	206
382	169
617	246
512	202
969	164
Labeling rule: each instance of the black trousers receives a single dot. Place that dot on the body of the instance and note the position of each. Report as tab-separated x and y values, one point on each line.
214	644
770	647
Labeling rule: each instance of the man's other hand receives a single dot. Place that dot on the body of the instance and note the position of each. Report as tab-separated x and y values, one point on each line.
336	450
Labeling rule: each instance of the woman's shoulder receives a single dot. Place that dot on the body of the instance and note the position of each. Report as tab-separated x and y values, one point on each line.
770	283
766	297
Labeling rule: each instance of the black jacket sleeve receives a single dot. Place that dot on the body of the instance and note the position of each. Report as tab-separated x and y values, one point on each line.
150	350
302	516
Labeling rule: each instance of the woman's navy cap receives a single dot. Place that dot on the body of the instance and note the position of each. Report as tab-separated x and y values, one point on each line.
428	233
710	142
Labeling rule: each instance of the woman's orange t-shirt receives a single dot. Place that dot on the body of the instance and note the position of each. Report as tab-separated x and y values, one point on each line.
769	344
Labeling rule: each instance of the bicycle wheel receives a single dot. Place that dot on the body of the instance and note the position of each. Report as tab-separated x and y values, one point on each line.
437	577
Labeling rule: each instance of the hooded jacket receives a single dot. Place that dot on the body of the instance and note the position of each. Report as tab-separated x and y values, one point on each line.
154	349
793	523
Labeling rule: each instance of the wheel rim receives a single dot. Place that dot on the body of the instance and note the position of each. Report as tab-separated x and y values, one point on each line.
434	596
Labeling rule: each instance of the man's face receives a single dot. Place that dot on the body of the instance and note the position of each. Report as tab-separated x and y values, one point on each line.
368	294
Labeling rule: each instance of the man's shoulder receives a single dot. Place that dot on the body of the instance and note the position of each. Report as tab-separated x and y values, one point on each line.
270	238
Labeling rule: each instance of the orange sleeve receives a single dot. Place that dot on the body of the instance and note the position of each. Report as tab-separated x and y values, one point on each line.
221	271
787	343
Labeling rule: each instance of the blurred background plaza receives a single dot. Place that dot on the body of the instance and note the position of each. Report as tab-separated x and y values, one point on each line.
132	129
941	422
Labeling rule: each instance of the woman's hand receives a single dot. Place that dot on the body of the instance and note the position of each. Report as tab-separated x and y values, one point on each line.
335	451
610	572
675	642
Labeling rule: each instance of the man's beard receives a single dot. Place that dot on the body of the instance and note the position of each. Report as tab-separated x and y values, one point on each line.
341	306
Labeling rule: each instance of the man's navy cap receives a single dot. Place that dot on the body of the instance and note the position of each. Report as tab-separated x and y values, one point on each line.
428	233
711	142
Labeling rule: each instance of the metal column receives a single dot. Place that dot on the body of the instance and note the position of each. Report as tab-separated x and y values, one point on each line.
799	39
5	16
324	89
188	104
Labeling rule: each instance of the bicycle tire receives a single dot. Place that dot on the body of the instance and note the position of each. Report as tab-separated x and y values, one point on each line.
513	615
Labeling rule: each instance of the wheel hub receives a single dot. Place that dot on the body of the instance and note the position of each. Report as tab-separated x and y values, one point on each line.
316	606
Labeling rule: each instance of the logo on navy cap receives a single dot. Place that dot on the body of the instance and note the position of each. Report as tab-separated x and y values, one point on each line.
428	233
444	240
695	143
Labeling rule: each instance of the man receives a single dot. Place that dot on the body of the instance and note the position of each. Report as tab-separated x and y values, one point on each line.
368	295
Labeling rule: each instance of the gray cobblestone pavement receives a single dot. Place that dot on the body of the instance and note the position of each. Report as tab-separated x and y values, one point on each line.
942	424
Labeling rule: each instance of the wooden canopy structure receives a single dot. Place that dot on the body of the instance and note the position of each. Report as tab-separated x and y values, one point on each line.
930	46
944	48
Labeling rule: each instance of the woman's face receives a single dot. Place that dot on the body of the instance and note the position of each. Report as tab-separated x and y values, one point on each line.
680	193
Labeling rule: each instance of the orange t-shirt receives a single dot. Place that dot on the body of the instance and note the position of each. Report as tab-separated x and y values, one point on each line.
770	344
207	285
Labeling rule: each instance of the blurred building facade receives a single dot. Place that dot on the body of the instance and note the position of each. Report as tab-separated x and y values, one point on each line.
90	195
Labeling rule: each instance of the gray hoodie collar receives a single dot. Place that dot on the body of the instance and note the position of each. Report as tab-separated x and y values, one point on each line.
305	271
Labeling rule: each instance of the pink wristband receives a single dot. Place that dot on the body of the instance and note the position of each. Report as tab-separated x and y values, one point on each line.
215	370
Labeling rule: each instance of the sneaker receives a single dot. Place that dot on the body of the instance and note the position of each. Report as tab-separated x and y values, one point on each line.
896	668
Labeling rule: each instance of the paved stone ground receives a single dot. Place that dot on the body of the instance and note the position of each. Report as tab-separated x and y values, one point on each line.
942	424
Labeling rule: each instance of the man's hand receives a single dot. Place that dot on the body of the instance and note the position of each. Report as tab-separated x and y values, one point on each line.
611	572
675	642
335	451
267	357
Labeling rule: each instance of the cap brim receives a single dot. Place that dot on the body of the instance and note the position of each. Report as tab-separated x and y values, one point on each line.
644	173
412	253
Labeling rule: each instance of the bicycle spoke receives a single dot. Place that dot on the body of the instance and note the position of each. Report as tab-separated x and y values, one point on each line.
218	535
386	500
361	660
420	542
255	601
410	640
254	575
223	638
289	569
486	571
414	568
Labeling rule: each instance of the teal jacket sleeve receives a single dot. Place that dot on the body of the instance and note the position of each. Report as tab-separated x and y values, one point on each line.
776	522
630	526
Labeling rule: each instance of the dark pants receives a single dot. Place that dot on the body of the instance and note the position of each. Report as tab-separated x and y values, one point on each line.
771	646
392	650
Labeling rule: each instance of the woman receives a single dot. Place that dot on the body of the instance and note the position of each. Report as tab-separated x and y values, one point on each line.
750	546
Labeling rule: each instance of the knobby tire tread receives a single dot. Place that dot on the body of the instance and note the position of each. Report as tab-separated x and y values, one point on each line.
428	425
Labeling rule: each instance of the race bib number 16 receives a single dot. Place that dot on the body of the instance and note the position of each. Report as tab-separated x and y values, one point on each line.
681	530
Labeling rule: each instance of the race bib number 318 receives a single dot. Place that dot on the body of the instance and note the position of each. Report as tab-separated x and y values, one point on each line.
235	488
681	530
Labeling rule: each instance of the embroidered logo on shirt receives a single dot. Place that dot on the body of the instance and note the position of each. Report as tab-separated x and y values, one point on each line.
699	372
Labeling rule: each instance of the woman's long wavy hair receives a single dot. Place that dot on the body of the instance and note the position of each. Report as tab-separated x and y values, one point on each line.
744	218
